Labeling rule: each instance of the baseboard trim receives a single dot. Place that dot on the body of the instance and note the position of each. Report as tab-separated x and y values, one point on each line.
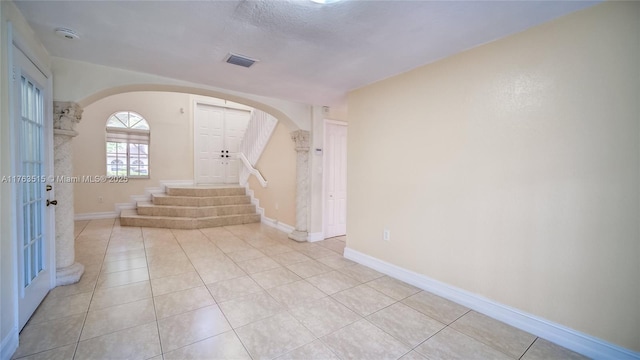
139	198
254	200
96	215
9	344
124	206
316	236
165	183
584	344
277	224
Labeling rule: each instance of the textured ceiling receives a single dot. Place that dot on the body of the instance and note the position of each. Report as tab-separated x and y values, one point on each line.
308	52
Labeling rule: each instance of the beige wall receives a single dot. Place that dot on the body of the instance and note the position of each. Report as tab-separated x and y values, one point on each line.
85	83
278	166
8	276
171	154
171	146
512	171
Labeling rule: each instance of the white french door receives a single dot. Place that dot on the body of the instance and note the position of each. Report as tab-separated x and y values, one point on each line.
235	125
208	142
33	167
217	138
335	179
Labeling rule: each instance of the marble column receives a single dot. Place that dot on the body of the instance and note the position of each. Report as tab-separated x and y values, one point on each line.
65	117
301	139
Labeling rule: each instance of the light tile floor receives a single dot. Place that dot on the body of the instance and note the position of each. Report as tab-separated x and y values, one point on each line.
248	292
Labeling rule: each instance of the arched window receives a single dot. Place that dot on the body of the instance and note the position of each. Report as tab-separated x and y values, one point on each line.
128	136
117	165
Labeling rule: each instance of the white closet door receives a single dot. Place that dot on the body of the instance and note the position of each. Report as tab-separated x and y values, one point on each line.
335	170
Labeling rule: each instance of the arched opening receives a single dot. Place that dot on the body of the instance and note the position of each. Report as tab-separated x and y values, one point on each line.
172	152
278	114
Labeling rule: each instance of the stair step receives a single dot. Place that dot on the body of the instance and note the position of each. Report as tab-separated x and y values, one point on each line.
149	209
164	199
193	207
132	218
205	191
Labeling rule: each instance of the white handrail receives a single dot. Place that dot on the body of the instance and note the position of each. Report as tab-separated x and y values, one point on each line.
256	137
252	170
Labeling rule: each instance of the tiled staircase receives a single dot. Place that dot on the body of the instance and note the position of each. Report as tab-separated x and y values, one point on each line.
194	207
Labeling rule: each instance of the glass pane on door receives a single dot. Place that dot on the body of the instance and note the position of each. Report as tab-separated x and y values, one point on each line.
32	171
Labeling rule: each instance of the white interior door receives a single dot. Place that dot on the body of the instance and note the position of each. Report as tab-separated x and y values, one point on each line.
32	162
335	177
236	122
218	133
209	144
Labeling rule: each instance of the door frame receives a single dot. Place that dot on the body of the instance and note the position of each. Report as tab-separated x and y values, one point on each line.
209	101
194	135
15	40
324	167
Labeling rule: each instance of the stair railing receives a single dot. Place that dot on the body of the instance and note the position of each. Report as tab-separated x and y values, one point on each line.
256	137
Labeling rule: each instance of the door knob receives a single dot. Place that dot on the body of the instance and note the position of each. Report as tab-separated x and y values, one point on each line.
53	202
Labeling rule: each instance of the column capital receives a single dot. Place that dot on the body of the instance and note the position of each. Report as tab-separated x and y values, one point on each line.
301	139
66	115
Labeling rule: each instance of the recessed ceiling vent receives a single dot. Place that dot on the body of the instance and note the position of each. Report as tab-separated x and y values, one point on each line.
240	60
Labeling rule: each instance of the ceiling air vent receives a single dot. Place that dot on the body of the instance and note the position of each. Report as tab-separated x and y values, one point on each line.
240	60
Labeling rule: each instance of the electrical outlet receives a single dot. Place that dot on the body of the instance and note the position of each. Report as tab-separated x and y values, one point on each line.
277	206
386	235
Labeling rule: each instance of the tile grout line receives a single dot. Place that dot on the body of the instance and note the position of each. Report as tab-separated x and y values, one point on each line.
330	296
115	331
465	334
528	347
242	236
319	338
208	290
86	315
286	309
218	304
153	300
481	340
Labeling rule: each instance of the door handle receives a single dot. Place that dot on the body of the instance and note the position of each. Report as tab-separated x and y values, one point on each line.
52	202
49	188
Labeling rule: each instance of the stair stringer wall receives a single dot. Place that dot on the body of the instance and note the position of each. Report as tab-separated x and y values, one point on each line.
259	130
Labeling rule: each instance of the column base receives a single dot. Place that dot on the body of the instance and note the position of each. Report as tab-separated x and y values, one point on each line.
299	236
69	275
